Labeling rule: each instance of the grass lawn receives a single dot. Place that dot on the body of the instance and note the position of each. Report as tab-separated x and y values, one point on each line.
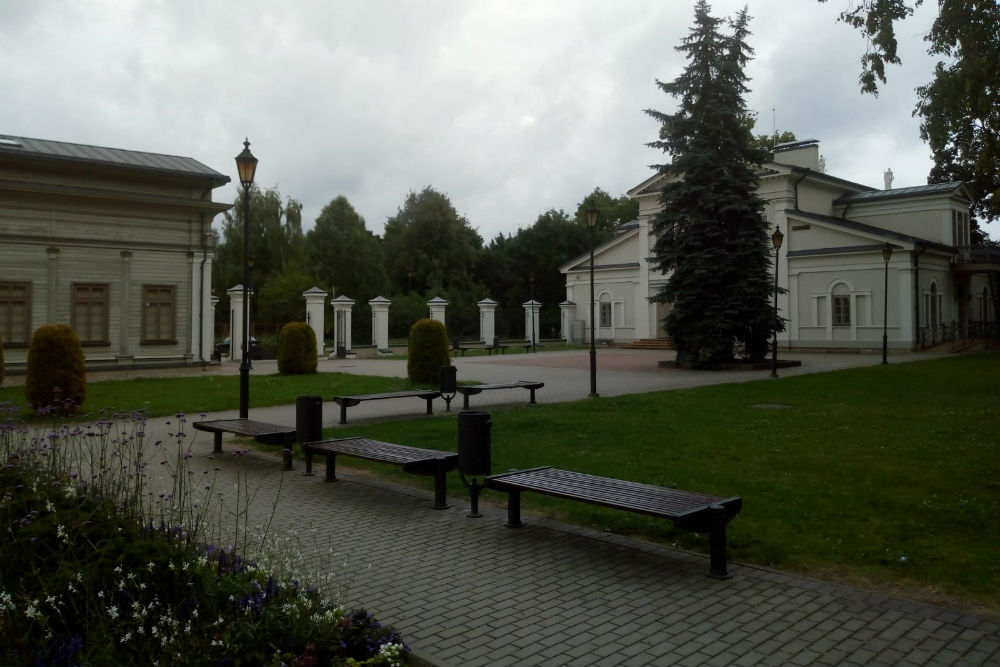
887	476
212	393
884	476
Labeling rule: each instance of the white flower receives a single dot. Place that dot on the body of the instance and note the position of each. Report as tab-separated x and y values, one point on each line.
127	636
31	612
113	612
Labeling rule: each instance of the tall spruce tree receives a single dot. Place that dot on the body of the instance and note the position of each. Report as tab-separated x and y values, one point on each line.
712	239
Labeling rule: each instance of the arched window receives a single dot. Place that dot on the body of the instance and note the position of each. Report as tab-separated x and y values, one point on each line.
841	305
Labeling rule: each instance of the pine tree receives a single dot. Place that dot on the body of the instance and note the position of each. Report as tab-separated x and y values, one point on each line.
712	239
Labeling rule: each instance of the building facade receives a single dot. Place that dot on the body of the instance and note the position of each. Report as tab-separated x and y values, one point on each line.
116	243
935	285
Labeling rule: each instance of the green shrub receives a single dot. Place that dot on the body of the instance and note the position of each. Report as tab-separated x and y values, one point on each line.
57	375
3	369
296	349
429	351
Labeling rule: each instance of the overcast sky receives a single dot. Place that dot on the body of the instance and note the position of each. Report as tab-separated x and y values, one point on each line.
509	107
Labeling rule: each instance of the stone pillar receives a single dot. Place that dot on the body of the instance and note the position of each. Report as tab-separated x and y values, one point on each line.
566	311
380	323
204	312
531	323
437	307
342	308
487	321
237	320
53	286
315	298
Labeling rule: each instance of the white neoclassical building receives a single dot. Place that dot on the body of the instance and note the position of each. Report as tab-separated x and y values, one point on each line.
831	262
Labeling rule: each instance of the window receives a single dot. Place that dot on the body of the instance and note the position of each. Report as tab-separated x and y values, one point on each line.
90	313
158	314
15	313
960	231
841	310
605	314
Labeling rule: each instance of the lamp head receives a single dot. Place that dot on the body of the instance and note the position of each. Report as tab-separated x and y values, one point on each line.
777	237
886	252
246	165
592	214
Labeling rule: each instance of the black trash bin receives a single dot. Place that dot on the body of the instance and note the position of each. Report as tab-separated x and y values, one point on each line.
474	444
308	419
449	380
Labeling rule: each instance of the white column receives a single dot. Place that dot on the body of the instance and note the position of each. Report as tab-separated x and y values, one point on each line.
380	322
208	304
209	324
437	307
566	311
237	320
342	307
315	299
487	321
531	309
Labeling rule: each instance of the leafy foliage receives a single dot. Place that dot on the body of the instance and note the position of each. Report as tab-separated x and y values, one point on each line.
297	349
711	237
960	117
56	376
3	368
429	351
344	255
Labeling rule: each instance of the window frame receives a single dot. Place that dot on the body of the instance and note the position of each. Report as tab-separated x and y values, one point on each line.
8	303
102	306
146	337
840	310
605	309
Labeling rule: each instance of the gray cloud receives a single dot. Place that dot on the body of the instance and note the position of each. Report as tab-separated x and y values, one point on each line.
510	107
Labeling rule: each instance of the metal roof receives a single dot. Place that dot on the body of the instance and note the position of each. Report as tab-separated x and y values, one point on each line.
933	189
869	229
116	157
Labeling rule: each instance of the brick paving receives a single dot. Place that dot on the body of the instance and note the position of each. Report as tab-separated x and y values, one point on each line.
469	592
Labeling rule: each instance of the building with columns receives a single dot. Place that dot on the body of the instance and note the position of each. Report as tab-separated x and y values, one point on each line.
831	263
116	243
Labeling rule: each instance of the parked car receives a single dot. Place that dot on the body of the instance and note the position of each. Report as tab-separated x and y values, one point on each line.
256	350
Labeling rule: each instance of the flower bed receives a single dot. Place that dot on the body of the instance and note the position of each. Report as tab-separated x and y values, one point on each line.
97	570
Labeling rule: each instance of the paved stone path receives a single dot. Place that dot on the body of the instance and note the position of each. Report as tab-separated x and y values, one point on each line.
471	592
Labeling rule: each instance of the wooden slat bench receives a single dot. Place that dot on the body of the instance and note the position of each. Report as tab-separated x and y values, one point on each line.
472	390
413	459
694	512
350	401
269	434
499	347
461	347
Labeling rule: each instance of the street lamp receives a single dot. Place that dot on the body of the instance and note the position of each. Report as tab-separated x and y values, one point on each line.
592	223
246	165
531	279
776	238
886	256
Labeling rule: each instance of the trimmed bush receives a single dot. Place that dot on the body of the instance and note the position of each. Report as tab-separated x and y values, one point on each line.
429	351
297	349
57	376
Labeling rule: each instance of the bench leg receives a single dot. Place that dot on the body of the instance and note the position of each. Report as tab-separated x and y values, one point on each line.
514	509
465	401
217	445
440	485
343	413
532	395
430	406
331	468
717	541
309	464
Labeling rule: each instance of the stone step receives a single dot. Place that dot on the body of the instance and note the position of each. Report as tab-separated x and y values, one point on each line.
648	344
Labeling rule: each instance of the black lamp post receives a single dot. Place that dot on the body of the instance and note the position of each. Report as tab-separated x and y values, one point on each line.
776	238
246	165
886	256
531	280
592	223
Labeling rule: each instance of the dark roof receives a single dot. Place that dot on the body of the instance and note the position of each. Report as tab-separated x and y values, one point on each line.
870	229
933	189
115	157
